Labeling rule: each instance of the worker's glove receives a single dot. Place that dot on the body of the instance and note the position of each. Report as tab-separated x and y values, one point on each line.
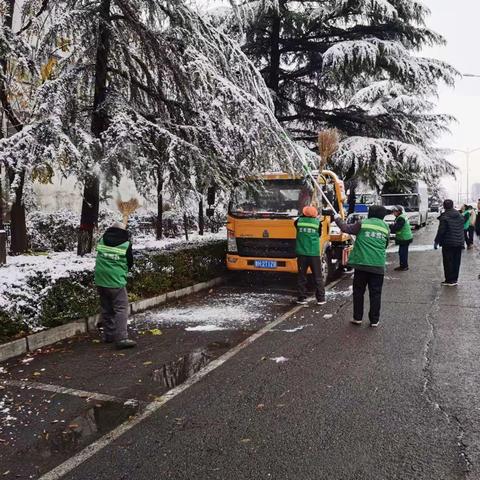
326	212
435	246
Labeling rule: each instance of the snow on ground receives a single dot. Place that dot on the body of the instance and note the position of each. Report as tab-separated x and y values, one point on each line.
149	243
223	311
15	276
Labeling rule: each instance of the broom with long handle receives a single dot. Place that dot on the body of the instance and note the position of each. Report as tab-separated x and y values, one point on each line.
327	145
127	208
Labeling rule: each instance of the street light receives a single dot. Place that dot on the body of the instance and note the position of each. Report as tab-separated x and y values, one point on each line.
467	154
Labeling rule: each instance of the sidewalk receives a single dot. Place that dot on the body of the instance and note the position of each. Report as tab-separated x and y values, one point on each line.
318	398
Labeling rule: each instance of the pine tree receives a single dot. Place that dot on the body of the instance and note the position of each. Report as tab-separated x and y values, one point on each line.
352	65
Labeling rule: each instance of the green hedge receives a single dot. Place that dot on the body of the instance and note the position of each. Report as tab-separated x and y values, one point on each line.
154	273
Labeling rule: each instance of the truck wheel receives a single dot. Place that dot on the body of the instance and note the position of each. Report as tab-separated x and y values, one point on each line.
330	269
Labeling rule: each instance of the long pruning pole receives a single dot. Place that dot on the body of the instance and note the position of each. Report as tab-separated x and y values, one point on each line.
306	166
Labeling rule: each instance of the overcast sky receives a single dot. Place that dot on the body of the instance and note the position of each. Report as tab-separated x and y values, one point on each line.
461	30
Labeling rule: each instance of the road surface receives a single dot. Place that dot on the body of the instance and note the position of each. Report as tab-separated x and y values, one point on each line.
315	397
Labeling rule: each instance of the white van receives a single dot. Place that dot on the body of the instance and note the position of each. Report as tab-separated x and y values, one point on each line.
415	205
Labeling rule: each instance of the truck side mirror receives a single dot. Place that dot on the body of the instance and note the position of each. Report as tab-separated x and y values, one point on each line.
211	195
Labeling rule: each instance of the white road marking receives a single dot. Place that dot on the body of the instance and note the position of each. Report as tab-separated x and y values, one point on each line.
153	407
413	248
63	390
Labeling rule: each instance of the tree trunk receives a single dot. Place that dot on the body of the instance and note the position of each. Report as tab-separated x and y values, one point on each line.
352	197
273	79
159	224
19	241
201	218
91	193
185	225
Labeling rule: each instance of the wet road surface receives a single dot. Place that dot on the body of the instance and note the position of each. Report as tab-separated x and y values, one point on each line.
318	398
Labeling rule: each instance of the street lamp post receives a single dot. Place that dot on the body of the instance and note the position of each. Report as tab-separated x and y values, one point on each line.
467	154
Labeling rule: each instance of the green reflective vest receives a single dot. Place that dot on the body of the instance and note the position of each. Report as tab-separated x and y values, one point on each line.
111	267
467	216
308	239
405	233
370	245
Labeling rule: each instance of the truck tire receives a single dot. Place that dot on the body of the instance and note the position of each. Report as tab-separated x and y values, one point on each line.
330	268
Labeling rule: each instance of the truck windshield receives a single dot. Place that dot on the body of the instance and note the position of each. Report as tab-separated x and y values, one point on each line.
271	198
409	202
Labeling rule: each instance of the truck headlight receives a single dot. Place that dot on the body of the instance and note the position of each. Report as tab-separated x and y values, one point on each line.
231	242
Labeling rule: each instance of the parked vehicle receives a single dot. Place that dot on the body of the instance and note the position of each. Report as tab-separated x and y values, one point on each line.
414	203
260	225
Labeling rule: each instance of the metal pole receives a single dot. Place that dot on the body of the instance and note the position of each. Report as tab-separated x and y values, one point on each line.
468	176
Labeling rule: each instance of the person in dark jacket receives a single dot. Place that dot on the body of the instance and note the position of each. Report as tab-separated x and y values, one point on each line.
368	258
468	226
307	248
450	237
403	236
113	262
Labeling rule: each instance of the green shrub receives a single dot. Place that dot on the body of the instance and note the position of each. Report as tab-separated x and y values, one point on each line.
47	303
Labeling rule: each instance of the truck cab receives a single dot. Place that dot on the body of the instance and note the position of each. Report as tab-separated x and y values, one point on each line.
260	226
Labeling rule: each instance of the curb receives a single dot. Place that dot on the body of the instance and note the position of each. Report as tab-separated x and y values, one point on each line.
38	340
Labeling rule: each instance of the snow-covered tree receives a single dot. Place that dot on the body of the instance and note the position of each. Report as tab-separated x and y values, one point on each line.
353	65
23	69
148	88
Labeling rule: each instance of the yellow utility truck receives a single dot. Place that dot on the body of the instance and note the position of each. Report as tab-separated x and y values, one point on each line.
261	215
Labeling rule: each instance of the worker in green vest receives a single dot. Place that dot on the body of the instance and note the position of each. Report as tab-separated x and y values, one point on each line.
368	259
114	260
403	236
309	231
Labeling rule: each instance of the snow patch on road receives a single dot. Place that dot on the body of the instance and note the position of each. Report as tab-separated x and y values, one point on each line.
293	330
339	293
204	328
279	359
220	311
328	316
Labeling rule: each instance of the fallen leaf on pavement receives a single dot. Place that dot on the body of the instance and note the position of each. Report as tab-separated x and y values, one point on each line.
246	440
260	406
36	374
155	331
95	341
148	363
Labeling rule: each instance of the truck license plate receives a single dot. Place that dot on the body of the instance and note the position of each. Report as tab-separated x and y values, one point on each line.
265	264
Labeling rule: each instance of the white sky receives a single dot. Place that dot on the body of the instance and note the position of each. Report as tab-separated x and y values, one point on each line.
461	32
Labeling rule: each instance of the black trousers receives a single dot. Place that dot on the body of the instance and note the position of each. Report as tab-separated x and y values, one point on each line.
375	284
452	258
403	255
469	236
315	265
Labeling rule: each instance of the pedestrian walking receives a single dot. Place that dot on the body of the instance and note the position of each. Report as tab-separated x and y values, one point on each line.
309	231
114	260
450	236
468	228
403	236
368	259
477	226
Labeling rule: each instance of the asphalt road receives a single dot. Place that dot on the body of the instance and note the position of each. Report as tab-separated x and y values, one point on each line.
348	403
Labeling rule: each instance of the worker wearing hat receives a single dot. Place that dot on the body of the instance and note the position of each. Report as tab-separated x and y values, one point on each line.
309	231
403	236
114	260
368	259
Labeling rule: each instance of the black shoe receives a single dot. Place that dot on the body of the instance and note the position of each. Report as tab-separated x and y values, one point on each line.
127	343
449	284
374	324
302	301
356	322
108	340
400	269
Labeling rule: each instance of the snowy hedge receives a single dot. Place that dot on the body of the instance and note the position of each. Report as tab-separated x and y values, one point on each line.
57	231
45	291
